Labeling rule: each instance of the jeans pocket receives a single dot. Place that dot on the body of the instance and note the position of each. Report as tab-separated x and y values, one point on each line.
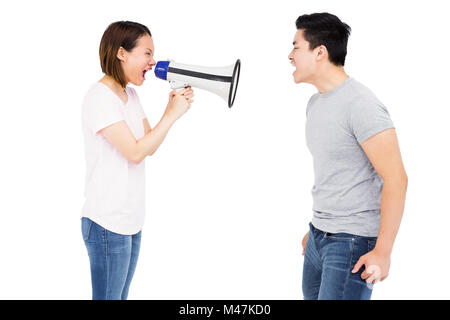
371	245
86	225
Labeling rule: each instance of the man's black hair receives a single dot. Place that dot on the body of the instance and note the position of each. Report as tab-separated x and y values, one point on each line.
326	29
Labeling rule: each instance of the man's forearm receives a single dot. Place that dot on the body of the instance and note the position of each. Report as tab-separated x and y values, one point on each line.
393	198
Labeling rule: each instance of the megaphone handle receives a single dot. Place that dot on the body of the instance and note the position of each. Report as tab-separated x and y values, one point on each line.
178	86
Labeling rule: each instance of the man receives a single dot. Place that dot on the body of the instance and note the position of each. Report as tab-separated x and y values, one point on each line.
360	182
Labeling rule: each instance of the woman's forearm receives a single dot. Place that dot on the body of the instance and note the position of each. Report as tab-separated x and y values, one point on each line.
148	144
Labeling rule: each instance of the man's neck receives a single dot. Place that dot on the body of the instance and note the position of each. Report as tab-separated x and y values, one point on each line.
329	79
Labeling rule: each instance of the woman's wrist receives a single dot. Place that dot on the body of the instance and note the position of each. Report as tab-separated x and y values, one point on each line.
167	120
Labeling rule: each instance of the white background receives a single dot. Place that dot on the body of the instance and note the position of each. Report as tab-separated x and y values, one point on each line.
228	192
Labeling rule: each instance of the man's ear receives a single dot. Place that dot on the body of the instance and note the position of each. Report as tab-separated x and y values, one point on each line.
121	54
322	53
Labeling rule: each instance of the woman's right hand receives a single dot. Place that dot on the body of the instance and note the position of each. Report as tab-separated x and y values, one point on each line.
179	103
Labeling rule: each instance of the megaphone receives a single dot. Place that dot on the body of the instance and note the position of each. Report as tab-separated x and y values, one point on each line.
222	81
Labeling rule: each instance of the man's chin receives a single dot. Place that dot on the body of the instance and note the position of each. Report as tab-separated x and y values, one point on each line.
298	80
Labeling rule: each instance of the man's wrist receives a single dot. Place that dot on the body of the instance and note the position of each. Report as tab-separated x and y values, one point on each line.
383	249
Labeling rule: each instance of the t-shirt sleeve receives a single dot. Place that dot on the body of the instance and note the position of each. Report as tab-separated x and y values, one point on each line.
140	110
101	112
369	117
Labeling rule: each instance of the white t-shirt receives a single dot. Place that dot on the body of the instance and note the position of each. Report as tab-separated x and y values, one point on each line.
115	187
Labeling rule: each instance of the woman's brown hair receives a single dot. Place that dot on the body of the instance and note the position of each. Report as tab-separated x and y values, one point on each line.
123	34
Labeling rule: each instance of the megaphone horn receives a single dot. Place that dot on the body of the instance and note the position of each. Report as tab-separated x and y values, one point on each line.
222	81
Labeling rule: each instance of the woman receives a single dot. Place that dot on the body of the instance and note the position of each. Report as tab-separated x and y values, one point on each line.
117	138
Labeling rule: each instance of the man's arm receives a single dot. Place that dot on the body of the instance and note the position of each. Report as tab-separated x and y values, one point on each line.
384	153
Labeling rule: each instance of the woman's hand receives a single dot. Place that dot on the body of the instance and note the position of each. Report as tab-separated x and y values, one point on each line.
179	103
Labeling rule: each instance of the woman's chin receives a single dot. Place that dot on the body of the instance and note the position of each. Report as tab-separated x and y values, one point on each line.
138	83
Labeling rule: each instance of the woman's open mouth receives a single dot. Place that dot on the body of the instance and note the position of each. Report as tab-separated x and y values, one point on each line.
144	72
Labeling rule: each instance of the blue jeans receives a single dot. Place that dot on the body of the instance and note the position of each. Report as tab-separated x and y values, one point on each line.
113	259
329	260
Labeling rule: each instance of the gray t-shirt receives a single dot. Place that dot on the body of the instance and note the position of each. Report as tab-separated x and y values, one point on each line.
347	189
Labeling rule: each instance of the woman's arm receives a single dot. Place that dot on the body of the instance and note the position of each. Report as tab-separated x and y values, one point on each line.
121	137
147	127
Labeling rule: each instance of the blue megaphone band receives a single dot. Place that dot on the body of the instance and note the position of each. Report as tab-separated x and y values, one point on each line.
161	69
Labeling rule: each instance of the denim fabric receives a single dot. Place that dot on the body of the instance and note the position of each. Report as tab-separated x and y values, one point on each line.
113	259
328	262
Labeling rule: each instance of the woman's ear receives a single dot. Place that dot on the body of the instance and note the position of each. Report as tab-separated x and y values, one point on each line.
122	54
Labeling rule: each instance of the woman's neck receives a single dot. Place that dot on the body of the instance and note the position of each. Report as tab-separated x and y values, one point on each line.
113	84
